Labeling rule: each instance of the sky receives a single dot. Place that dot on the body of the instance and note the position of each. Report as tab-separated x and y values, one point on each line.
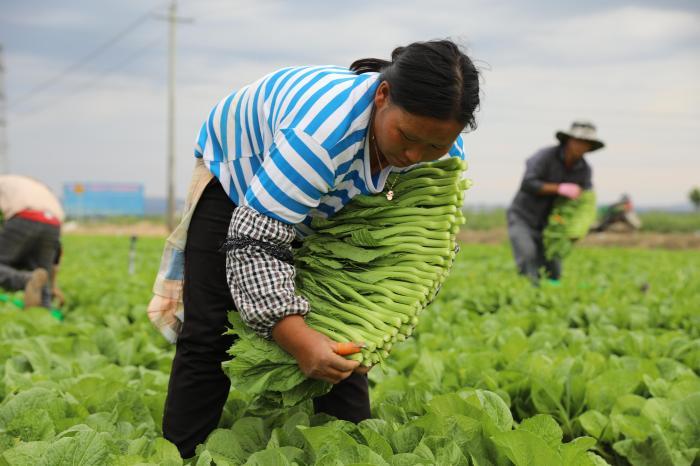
85	81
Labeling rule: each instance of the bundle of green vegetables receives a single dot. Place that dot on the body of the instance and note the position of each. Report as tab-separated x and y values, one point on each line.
569	221
367	272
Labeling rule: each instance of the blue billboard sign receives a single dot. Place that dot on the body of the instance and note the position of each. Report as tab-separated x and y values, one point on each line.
103	199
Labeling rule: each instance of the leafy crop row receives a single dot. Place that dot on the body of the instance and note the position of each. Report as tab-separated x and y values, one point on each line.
603	368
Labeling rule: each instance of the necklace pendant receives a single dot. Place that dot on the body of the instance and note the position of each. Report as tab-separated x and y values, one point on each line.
389	195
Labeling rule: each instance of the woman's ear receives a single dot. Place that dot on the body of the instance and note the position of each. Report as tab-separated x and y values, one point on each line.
381	96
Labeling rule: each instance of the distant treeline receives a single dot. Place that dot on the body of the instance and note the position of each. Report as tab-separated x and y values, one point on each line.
652	220
487	219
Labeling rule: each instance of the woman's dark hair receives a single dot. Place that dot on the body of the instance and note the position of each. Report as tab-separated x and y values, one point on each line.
433	78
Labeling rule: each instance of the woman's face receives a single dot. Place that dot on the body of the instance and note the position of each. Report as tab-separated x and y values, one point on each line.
405	139
578	147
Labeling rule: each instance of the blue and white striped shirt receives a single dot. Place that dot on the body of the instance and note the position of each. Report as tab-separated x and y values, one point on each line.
293	145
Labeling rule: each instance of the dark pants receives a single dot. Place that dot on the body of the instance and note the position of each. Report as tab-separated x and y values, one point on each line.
26	245
528	250
198	387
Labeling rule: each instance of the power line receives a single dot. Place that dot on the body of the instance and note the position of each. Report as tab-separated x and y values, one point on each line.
83	61
96	79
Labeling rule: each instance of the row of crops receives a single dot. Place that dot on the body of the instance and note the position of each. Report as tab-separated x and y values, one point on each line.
601	369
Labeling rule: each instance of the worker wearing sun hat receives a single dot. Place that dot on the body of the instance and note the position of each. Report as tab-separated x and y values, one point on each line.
559	170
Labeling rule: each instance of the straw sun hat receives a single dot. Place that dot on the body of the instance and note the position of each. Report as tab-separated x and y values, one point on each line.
584	130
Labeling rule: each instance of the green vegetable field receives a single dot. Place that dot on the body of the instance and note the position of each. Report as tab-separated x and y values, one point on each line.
601	369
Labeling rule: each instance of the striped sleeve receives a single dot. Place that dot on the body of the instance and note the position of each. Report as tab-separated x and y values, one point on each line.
457	149
294	176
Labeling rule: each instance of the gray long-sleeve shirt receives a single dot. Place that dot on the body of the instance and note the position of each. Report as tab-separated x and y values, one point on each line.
546	166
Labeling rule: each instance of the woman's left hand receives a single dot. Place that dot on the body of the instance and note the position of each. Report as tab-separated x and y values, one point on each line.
58	295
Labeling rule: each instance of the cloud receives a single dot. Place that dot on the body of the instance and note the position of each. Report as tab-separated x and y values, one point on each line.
624	34
629	66
49	16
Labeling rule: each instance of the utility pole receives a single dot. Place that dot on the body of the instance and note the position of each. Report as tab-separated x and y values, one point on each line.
170	213
170	143
4	159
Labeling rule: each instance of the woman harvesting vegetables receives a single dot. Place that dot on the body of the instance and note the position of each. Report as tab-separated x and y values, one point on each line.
556	171
296	144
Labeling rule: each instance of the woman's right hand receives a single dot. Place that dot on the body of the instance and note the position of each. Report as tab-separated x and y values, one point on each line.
570	190
313	351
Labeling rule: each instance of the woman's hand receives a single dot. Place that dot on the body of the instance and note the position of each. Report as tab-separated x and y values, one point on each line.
314	352
57	294
570	190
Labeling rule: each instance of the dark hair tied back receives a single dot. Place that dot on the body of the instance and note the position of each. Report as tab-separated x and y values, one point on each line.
396	53
433	78
369	65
